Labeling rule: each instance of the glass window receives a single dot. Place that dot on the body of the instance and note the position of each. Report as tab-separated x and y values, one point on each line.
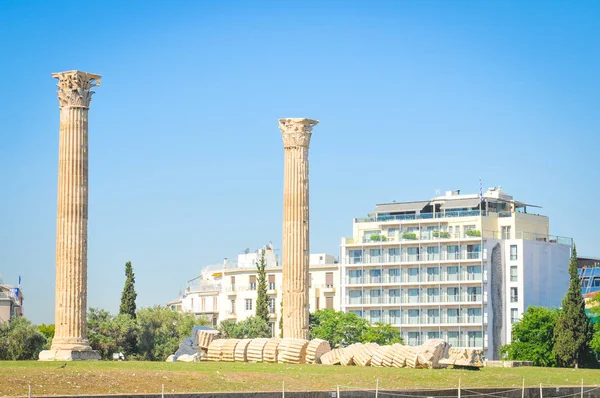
514	315
433	335
452	294
433	316
271	305
358	313
413	295
506	232
474	339
355	256
452	337
452	273
473	272
514	295
413	316
375	316
514	276
248	304
474	293
433	295
452	315
413	338
453	252
513	252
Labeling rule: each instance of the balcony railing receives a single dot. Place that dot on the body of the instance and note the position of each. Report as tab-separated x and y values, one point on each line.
434	235
405	279
425	216
407	258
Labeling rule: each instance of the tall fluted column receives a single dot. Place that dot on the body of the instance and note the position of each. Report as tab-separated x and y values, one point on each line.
70	339
295	251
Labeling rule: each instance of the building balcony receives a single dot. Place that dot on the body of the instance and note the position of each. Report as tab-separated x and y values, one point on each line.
411	258
327	288
424	280
434	217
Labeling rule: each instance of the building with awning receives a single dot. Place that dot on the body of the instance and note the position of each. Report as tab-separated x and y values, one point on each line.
460	267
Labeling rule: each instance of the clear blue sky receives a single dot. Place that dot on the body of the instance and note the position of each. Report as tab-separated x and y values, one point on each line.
186	160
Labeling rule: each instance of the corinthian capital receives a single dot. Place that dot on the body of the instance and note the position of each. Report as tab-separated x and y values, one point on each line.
74	88
296	132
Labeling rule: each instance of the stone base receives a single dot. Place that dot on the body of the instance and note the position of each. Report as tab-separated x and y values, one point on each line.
68	355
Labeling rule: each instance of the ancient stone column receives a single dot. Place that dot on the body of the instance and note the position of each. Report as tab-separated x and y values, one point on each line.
70	339
295	251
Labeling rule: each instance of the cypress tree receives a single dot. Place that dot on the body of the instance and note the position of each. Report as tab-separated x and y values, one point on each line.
129	295
573	330
262	301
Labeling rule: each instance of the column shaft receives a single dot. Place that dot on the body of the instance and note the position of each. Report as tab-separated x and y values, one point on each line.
71	231
295	243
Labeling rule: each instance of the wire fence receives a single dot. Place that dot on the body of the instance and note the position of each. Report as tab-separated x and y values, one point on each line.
459	392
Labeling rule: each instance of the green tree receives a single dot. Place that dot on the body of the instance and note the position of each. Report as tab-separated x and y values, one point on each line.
533	337
161	330
227	329
20	339
262	301
595	312
250	328
48	332
573	331
129	295
382	334
339	328
109	334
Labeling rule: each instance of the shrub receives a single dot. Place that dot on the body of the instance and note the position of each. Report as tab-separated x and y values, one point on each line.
20	339
473	232
409	235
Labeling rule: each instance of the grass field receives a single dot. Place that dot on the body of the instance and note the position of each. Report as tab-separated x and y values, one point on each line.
47	378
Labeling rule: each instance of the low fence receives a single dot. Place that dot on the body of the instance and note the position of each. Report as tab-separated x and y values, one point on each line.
539	391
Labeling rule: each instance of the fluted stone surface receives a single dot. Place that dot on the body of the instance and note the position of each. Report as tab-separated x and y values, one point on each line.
296	135
74	95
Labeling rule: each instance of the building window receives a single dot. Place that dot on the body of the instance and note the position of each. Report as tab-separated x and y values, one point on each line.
252	282
248	304
271	305
271	282
514	295
328	302
474	339
513	273
414	338
452	315
506	232
452	338
329	279
513	252
232	302
514	315
375	314
203	301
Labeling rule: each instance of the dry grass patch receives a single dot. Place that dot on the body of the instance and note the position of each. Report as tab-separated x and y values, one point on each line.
47	378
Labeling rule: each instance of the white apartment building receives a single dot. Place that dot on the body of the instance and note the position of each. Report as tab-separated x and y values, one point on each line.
228	291
454	267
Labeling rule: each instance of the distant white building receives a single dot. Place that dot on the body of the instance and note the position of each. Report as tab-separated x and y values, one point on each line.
454	267
11	302
228	290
